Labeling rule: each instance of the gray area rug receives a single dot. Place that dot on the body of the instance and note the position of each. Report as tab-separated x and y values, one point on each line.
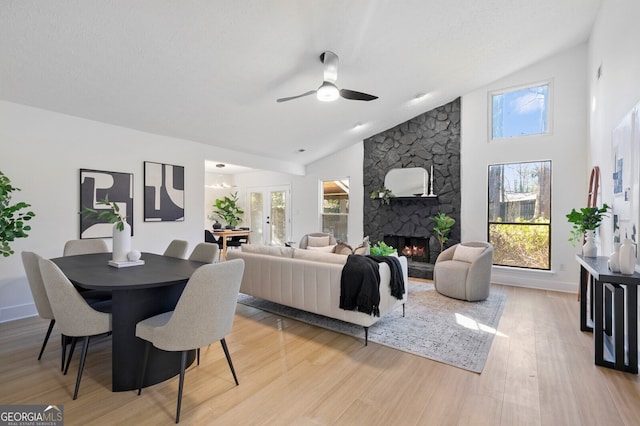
437	327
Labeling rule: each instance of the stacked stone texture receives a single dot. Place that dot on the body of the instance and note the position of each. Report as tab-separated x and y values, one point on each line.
432	138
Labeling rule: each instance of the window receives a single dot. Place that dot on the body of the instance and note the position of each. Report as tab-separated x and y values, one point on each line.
520	112
520	214
335	207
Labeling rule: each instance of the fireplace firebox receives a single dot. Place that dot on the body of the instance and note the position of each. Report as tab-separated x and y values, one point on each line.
416	250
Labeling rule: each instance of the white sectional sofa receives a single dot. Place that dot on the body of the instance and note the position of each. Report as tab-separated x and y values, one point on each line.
309	280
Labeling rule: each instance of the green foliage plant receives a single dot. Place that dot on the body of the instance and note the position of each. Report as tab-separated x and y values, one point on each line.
12	218
442	228
227	210
386	194
382	249
111	216
522	244
587	219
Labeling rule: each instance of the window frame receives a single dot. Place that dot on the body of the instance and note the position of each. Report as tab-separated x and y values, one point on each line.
322	214
550	110
548	225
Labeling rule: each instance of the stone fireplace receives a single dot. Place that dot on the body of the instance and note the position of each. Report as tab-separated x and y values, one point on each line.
430	139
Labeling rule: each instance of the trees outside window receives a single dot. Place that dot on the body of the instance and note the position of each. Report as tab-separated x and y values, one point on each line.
519	224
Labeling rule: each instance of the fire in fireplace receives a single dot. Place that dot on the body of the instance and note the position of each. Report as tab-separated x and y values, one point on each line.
414	248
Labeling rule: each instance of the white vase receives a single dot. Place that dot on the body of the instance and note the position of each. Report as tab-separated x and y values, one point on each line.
590	249
627	257
121	243
614	259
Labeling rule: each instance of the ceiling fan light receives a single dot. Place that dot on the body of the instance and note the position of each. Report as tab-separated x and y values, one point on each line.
327	92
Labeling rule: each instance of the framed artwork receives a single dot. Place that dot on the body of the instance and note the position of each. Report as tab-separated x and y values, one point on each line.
163	192
95	185
625	141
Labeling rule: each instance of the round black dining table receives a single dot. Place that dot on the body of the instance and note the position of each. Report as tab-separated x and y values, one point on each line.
138	292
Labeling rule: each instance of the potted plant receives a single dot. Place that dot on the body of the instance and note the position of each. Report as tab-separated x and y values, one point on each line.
121	229
585	222
382	249
12	218
382	193
227	210
442	228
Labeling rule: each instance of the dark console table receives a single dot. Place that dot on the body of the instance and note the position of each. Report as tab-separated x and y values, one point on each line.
609	308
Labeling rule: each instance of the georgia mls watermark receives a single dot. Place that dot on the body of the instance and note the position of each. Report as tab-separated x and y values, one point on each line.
31	415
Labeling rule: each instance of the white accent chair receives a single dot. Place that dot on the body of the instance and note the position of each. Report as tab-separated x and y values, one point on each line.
463	271
204	252
177	248
304	241
73	314
204	314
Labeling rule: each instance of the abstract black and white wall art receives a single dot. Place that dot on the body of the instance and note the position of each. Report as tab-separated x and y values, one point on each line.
163	192
95	185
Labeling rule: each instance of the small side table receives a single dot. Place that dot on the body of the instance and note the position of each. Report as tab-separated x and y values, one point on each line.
614	310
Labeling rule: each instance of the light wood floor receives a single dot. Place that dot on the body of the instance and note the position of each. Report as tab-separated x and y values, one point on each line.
540	372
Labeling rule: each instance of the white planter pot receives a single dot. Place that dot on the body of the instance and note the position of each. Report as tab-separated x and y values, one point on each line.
590	249
627	257
121	243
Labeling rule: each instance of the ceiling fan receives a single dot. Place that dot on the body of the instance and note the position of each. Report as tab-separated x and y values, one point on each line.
328	91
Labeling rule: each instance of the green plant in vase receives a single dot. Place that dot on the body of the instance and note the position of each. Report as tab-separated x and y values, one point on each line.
586	219
382	249
383	194
227	210
442	228
12	218
111	216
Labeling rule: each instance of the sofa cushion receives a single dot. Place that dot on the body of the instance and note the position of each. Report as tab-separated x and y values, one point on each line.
325	249
268	250
317	241
318	256
364	248
467	253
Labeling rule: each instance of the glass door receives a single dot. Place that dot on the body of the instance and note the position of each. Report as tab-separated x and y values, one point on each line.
269	214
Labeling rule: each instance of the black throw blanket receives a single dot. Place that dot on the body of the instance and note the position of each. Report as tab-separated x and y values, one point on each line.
397	277
360	283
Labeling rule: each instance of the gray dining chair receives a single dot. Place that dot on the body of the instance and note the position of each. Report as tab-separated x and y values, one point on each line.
32	269
177	248
73	314
76	247
204	252
204	314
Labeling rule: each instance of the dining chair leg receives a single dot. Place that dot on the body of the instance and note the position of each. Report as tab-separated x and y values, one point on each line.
74	340
143	370
198	352
183	363
46	338
226	353
81	367
64	341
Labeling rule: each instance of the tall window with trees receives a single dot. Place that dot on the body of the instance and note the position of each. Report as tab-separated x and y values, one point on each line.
335	207
519	224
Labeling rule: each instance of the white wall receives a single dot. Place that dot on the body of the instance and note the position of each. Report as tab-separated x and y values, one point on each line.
614	45
305	190
565	146
42	153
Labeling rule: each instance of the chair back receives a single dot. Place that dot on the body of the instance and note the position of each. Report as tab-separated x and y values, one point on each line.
76	247
32	269
73	314
205	311
204	252
177	248
209	237
304	241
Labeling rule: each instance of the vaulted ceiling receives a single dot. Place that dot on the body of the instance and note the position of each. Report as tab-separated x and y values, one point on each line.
211	71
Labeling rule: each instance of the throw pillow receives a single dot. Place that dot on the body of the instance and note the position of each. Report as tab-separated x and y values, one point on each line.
364	248
325	249
342	248
467	253
317	241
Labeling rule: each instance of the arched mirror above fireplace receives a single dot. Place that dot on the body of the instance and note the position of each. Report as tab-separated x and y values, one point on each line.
407	182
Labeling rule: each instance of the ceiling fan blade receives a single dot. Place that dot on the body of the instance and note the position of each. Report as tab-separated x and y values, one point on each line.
310	92
330	61
356	96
